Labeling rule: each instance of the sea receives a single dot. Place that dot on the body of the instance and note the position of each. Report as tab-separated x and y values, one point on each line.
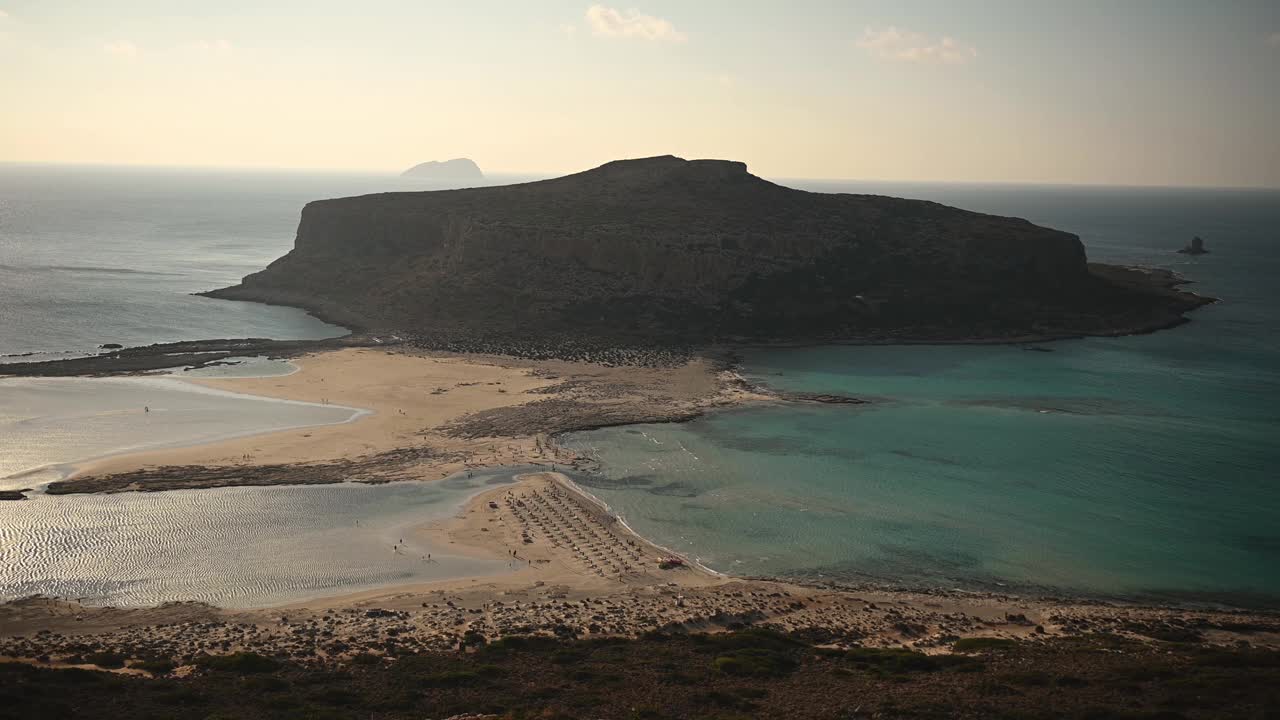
1139	468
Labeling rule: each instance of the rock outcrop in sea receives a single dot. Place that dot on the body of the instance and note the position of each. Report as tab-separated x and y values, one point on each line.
1195	247
665	250
457	169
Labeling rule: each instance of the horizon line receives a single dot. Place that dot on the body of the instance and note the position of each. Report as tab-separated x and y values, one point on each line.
555	174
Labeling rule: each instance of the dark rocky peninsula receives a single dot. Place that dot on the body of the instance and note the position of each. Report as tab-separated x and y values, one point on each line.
667	251
456	169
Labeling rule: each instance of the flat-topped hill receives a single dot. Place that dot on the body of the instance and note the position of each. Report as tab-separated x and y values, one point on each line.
665	249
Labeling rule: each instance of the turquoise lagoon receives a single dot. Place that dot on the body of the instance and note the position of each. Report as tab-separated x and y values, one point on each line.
1142	468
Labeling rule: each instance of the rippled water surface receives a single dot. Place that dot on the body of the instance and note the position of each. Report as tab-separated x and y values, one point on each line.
236	547
49	422
1136	467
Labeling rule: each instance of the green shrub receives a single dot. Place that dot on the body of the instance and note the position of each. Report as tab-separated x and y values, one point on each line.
155	667
241	662
979	644
454	678
105	659
1028	678
523	642
1238	658
759	662
754	638
892	660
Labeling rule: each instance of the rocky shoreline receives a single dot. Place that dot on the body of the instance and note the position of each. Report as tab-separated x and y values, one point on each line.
609	352
191	354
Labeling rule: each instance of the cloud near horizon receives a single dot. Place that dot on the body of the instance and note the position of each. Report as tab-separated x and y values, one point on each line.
610	22
1274	39
121	48
213	46
905	46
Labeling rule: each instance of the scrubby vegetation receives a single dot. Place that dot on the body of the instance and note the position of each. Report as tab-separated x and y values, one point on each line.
746	674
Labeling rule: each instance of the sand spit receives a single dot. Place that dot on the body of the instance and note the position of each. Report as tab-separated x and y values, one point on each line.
432	415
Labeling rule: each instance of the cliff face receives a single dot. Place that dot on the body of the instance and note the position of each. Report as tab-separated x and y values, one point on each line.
669	249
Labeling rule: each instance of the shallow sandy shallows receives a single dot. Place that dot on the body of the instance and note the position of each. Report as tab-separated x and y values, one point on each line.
409	396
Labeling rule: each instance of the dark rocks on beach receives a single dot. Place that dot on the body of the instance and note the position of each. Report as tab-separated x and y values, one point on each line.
110	346
192	354
1195	247
14	494
825	398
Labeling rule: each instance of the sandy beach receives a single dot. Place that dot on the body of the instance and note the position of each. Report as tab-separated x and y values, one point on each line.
431	415
579	573
576	570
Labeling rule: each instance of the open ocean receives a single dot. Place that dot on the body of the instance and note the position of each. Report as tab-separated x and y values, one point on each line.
1141	467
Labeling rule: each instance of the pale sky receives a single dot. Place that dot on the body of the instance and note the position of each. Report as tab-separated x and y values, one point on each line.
1159	92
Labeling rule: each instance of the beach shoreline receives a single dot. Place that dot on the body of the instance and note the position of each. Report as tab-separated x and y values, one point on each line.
429	415
584	570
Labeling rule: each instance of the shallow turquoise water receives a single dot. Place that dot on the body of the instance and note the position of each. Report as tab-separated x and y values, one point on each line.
1135	467
48	424
237	546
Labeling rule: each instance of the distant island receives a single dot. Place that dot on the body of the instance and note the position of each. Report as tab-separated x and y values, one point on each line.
1196	247
456	169
671	251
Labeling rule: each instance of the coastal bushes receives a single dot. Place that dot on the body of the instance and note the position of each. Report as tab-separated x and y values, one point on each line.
240	662
981	644
753	652
750	673
758	662
155	667
892	661
105	659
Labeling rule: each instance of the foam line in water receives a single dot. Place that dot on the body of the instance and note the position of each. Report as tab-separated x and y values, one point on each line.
623	522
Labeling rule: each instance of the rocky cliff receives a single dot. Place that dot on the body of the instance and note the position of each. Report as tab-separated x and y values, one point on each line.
665	249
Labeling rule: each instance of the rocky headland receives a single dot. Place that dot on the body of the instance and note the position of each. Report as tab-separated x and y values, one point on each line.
670	251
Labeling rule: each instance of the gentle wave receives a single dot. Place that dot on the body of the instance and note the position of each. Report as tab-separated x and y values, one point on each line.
86	269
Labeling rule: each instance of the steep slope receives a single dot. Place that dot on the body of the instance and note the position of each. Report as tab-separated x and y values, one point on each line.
665	249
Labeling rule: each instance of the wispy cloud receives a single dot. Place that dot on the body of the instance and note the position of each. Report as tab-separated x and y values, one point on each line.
610	22
213	46
905	46
121	48
1274	39
3	14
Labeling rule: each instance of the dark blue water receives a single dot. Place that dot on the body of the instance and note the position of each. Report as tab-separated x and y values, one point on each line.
92	255
1141	467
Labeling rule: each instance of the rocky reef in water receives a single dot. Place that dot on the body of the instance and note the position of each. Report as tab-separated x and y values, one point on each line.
1195	247
456	169
666	250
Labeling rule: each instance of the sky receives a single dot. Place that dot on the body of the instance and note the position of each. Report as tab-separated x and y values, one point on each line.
1125	92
